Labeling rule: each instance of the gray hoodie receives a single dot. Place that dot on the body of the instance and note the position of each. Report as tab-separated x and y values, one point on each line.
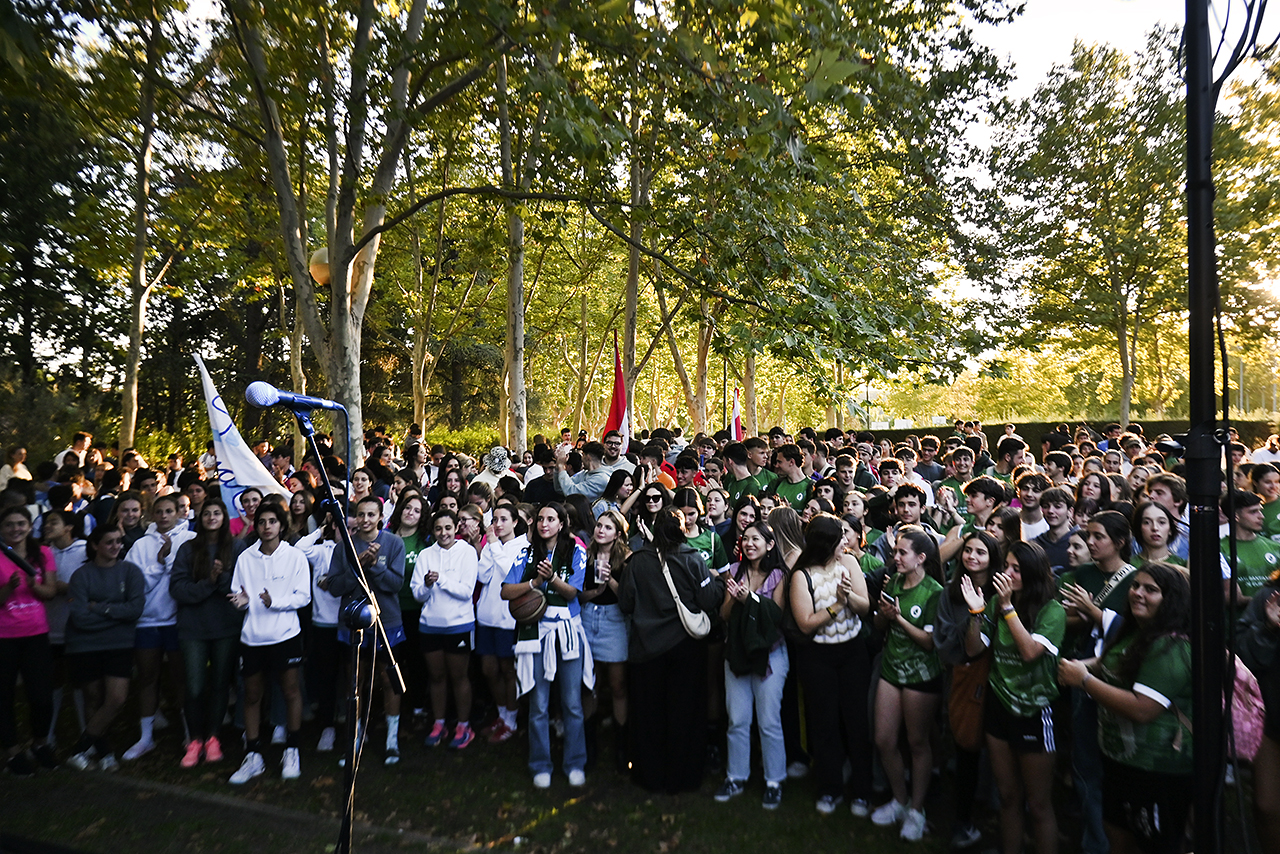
105	604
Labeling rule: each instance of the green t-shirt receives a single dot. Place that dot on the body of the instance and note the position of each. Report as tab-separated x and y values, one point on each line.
795	494
1080	642
1271	519
1025	687
752	484
711	547
1165	676
413	544
1004	478
904	662
869	563
1256	560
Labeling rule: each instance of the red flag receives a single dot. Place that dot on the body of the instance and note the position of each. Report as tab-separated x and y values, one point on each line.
618	419
735	421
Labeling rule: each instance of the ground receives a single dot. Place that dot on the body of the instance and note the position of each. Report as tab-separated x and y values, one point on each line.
435	799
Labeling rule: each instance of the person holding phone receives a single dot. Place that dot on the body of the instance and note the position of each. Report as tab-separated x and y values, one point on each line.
1023	625
910	677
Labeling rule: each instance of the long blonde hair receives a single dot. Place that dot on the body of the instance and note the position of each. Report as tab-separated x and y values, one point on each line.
619	551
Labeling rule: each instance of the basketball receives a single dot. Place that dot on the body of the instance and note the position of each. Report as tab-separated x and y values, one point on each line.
529	606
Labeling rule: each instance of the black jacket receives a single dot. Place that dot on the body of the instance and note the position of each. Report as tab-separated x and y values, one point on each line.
655	623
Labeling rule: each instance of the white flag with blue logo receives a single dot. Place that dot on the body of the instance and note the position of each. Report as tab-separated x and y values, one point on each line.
238	468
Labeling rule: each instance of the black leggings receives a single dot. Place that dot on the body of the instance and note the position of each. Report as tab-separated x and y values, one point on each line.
323	663
31	657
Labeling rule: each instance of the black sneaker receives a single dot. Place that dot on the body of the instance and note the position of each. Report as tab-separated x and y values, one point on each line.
730	788
45	757
20	765
772	797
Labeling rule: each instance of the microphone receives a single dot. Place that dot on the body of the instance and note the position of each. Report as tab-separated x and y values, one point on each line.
264	395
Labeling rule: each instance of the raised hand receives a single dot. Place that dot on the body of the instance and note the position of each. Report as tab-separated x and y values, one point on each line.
972	595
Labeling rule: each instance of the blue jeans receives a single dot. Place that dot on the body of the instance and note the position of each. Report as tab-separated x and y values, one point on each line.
208	670
569	684
744	695
1086	769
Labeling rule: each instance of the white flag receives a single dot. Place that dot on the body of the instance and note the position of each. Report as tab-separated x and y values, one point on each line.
238	468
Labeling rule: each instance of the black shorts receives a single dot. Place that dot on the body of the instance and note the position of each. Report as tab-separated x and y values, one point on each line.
932	686
1150	805
91	666
1034	734
275	658
458	643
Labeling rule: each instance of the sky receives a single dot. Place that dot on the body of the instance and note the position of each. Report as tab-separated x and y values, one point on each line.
1043	34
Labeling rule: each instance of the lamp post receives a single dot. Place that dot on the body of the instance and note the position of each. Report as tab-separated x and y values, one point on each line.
319	266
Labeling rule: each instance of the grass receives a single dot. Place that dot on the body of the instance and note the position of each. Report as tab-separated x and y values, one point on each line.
480	798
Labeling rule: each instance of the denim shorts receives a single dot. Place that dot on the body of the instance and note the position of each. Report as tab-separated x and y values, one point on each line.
607	630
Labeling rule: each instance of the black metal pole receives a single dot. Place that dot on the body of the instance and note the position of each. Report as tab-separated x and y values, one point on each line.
358	615
1203	452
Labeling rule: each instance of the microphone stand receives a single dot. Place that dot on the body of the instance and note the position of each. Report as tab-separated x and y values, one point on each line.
359	614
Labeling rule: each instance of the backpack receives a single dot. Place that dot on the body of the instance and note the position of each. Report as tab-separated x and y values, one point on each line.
1244	718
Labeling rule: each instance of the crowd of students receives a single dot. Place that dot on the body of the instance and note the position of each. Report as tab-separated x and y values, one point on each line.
934	598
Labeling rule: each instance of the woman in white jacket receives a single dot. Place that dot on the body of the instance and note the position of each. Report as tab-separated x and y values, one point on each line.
271	582
157	631
495	627
324	651
444	578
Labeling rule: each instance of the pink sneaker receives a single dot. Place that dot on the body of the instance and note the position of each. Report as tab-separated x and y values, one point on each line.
462	736
437	734
191	758
212	750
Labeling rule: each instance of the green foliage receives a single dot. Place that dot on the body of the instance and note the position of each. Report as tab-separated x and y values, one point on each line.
473	441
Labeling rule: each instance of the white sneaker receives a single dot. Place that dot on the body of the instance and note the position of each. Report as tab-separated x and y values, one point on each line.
108	763
141	748
577	777
912	825
327	739
251	767
889	814
291	766
542	781
84	761
278	735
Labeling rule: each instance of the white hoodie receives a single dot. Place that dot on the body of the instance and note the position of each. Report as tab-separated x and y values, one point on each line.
446	605
160	609
319	552
496	560
284	574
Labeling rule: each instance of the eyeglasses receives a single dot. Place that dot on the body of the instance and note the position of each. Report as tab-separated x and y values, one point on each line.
652	498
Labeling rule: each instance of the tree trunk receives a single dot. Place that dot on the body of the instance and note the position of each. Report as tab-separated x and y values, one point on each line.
581	396
139	287
749	394
1126	369
706	331
513	356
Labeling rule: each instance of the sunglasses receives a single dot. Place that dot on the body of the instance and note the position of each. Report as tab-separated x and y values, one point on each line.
653	498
